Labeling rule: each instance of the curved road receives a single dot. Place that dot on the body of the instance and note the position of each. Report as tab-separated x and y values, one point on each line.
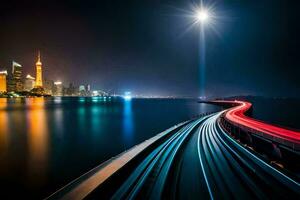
202	161
237	116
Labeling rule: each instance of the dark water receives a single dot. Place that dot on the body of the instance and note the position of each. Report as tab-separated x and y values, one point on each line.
46	143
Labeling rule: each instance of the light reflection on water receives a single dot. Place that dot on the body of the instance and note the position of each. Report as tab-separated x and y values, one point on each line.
4	126
128	123
95	119
47	142
81	118
37	132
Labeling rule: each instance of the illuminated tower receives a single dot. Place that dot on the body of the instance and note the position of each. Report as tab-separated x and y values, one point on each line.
38	80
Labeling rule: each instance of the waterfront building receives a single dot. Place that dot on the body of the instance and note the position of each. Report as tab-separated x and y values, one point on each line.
81	88
16	80
72	90
48	86
39	79
85	90
29	83
10	83
88	88
3	85
98	93
58	88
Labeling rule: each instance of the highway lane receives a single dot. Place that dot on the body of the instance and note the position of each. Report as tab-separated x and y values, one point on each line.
186	180
237	116
149	179
232	171
201	161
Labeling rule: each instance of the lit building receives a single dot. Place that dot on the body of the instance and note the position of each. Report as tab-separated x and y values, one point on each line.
16	81
39	79
85	90
71	90
88	88
3	87
29	83
127	96
48	87
58	89
10	83
82	90
98	93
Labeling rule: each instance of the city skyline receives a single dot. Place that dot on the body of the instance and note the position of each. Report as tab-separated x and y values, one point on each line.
14	83
35	70
144	47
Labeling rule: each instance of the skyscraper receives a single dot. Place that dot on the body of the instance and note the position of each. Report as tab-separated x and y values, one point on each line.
39	80
58	88
29	83
17	84
3	75
48	86
82	90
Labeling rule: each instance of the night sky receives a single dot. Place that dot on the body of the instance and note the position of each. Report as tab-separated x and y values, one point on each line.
143	46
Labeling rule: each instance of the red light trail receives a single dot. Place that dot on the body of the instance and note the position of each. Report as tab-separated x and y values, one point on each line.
237	115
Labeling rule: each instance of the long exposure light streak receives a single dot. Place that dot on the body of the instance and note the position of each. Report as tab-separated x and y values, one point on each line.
237	115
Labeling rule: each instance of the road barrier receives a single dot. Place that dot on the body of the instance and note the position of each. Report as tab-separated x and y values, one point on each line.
275	148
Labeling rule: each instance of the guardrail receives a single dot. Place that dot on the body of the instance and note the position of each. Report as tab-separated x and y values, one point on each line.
235	116
276	149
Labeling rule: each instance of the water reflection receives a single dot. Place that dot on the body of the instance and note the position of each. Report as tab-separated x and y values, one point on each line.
59	121
53	140
95	118
82	119
202	107
95	99
4	125
37	137
128	122
82	99
57	100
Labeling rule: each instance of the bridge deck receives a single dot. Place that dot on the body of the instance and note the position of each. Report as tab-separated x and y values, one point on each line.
237	117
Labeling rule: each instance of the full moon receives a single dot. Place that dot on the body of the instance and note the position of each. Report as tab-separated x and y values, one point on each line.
202	16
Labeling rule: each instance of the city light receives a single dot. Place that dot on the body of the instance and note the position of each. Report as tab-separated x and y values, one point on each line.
30	77
15	64
95	93
127	96
57	83
3	72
